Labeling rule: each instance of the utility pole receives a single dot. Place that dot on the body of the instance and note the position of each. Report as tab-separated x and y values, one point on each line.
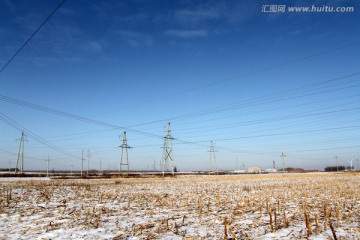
47	171
283	156
357	163
337	165
125	146
168	151
88	161
100	165
9	165
82	162
274	165
351	165
20	158
212	157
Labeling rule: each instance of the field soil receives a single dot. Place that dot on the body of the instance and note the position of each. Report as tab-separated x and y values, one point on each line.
269	206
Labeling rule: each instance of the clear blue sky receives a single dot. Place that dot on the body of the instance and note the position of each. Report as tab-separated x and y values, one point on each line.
255	83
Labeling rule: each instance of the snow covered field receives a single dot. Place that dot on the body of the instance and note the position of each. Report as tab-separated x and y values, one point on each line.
294	206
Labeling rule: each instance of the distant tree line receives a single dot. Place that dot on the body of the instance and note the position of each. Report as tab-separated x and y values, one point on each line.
338	168
9	170
289	169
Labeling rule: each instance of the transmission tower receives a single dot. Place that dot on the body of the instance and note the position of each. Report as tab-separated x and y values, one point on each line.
82	162
20	158
337	165
88	161
212	157
125	146
168	151
47	170
283	156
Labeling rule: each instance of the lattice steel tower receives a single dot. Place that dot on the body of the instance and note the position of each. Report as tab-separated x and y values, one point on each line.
168	152
212	157
283	156
20	158
125	146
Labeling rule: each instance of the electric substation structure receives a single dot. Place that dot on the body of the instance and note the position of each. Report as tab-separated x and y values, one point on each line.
20	157
212	157
283	156
125	146
168	151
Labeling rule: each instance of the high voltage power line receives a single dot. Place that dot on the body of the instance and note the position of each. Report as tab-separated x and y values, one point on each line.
31	36
251	73
64	114
69	115
271	98
278	96
218	109
20	128
292	93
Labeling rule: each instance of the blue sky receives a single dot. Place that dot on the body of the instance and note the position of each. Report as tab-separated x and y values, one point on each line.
255	83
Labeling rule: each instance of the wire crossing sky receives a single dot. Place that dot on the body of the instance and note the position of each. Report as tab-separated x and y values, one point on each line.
257	78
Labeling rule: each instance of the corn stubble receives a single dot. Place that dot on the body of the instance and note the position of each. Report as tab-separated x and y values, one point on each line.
190	207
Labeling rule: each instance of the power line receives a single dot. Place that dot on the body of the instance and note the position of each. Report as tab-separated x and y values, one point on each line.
76	117
293	93
31	36
287	133
306	114
20	128
69	115
268	110
252	73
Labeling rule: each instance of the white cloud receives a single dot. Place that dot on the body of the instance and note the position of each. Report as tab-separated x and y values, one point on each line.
232	12
127	34
187	33
135	39
68	11
92	46
189	16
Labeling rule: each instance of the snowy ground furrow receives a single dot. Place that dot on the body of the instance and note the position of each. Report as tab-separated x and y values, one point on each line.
294	206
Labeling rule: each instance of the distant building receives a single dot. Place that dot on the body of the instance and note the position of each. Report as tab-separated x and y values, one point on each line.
240	171
271	170
254	170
